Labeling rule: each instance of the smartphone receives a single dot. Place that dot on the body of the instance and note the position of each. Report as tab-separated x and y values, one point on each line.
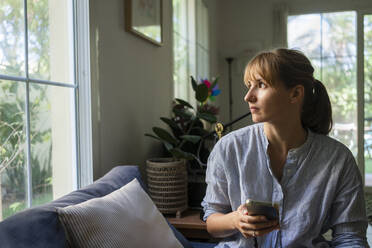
268	209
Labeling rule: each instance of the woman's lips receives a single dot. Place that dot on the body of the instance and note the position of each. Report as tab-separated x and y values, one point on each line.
253	109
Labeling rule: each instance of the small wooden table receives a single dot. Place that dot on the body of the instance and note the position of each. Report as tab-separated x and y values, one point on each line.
190	225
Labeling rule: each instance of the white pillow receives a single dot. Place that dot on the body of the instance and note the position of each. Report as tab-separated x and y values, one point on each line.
126	217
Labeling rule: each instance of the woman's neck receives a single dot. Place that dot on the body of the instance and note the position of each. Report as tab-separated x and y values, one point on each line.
285	136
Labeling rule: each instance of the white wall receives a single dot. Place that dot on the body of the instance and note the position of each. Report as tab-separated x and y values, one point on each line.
246	27
132	86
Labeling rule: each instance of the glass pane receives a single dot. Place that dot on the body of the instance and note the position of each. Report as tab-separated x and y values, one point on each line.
53	147
317	64
339	34
180	49
304	34
180	17
368	99
12	31
203	62
339	77
368	35
202	27
180	74
202	42
50	40
12	148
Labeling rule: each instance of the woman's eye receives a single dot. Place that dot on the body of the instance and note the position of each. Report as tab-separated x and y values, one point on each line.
261	85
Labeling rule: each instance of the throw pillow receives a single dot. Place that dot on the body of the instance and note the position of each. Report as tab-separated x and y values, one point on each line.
126	217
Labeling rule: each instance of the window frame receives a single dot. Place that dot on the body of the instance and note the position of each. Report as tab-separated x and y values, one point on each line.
84	103
193	44
83	172
360	92
359	79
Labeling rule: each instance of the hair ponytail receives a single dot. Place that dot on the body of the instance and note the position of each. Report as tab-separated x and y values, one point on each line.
317	111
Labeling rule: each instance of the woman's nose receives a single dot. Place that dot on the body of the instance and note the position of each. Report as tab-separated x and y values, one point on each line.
250	97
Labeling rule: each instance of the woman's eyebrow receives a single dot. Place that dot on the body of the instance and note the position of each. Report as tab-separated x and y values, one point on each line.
258	78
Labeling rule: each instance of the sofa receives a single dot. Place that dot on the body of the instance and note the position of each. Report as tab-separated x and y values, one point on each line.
41	226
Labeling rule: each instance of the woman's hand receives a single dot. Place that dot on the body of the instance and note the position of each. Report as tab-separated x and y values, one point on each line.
253	225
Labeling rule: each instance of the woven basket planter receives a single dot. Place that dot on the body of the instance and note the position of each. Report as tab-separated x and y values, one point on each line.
167	184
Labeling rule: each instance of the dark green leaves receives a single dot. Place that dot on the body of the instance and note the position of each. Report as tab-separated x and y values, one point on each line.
191	138
184	103
186	126
165	135
152	136
193	83
168	145
201	93
208	117
178	153
172	124
183	113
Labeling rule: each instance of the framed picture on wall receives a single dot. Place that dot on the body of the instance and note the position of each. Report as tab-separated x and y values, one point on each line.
144	18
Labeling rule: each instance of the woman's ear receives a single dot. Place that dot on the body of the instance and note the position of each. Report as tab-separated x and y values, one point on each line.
297	93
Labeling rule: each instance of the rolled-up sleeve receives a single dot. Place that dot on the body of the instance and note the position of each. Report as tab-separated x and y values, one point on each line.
216	199
348	214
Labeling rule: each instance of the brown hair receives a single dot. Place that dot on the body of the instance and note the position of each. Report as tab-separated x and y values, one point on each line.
292	67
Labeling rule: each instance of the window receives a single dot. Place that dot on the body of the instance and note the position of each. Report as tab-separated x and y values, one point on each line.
190	45
39	101
368	98
330	41
202	40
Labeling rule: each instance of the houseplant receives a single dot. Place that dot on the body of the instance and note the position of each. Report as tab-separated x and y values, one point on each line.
189	131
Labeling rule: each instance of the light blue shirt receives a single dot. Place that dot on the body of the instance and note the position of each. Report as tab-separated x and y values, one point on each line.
321	188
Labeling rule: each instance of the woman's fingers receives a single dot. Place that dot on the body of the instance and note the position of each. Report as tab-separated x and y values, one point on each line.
262	232
253	225
257	226
255	233
256	218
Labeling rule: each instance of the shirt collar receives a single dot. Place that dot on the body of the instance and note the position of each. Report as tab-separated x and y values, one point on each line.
293	153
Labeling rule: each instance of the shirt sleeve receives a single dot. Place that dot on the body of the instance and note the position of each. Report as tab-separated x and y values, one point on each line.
348	214
216	199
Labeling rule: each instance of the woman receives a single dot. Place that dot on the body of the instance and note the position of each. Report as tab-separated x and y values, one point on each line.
286	158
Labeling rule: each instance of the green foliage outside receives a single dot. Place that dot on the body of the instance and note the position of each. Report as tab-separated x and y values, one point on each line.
13	147
15	207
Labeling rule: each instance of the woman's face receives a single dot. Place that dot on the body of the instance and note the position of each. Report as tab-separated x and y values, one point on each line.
268	103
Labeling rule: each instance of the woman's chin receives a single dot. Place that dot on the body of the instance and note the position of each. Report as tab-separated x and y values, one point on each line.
256	119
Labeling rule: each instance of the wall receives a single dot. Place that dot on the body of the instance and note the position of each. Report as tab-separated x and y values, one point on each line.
132	85
246	27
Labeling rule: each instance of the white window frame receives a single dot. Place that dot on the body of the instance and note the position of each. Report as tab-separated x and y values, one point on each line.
83	172
83	79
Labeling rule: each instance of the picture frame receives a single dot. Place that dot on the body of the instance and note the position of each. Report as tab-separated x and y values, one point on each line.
144	18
